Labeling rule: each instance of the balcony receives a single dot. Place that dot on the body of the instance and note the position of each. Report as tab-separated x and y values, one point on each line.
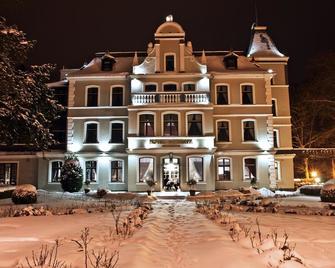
170	97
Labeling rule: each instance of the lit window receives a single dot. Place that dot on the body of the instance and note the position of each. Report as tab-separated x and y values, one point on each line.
150	88
194	124
250	169
147	125
91	171
274	107
8	173
91	133
223	131
56	167
170	125
92	97
117	133
170	87
116	171
249	131
146	169
247	94
169	63
224	169
117	96
189	87
221	95
195	168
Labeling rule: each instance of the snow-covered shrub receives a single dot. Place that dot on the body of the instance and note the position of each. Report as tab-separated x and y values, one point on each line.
101	193
71	174
328	191
24	194
313	190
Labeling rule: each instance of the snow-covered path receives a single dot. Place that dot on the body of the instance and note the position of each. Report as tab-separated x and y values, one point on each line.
175	236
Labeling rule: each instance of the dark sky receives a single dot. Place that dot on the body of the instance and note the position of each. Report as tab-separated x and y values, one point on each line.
70	31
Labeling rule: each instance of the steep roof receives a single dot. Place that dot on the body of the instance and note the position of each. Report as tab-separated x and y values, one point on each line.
261	44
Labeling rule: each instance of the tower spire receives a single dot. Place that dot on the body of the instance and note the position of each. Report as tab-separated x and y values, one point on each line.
135	59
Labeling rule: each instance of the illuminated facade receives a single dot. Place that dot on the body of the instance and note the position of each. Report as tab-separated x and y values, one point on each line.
172	114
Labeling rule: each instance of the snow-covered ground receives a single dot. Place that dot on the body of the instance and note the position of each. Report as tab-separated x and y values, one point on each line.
174	235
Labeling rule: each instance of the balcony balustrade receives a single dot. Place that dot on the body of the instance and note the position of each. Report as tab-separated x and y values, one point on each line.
170	97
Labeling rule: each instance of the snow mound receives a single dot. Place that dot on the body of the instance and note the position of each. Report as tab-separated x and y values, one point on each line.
266	192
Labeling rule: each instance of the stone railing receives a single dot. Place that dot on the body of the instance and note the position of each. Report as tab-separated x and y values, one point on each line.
170	97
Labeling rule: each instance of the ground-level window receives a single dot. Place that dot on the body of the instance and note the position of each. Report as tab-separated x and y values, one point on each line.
91	133
223	131
170	125
277	170
117	133
91	171
196	168
146	169
249	131
147	125
194	124
56	167
250	169
222	95
8	173
116	171
224	169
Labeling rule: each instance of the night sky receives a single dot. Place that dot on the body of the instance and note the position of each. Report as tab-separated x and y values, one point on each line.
69	32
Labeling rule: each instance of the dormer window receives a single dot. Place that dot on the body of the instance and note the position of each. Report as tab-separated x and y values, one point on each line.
230	62
107	62
169	63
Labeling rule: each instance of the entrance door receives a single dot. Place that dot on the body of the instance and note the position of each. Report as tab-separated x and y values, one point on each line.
171	180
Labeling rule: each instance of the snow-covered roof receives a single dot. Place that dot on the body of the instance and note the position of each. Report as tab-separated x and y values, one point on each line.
261	44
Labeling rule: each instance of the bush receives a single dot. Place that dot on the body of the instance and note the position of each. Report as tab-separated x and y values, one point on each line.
313	190
328	191
71	174
101	193
24	194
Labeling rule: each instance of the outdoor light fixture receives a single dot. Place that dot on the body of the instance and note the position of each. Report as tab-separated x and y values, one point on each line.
270	71
314	174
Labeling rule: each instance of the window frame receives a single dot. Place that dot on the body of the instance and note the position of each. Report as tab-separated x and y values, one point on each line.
203	181
255	130
216	93
149	84
17	169
189	83
174	61
230	166
256	166
278	168
123	95
229	131
85	131
111	131
202	123
50	170
163	122
275	107
86	95
97	170
170	83
253	93
277	138
138	168
138	122
122	172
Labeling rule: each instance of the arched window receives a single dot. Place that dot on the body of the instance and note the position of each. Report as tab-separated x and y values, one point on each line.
250	169
117	96
170	87
194	124
116	171
92	94
247	94
146	125
223	131
249	130
91	133
146	169
224	169
116	132
170	125
91	171
222	95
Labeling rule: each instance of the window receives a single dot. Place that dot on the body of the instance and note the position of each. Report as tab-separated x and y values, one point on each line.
169	63
223	131
91	171
222	95
170	87
247	94
147	125
189	87
250	169
8	173
274	107
195	168
230	62
194	124
224	169
249	131
277	170
107	62
150	88
146	169
275	138
91	133
116	171
170	125
117	133
117	96
56	167
92	97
